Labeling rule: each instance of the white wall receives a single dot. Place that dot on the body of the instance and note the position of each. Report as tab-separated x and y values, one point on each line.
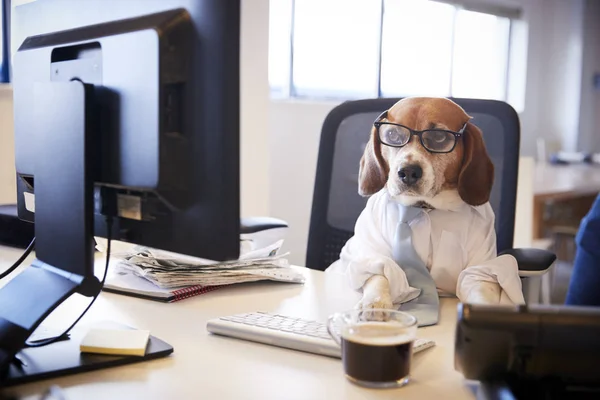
7	154
553	85
295	128
254	123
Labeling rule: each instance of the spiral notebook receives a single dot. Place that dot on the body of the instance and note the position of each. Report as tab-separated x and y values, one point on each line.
132	285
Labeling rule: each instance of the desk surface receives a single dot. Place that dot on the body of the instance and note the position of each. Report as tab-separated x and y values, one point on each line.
213	367
566	180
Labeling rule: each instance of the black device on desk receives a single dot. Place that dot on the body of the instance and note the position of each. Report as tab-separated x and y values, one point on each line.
124	111
530	352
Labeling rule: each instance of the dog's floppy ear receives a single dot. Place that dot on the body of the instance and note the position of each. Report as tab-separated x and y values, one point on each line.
373	171
477	173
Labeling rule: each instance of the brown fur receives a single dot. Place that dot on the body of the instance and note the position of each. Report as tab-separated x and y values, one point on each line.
467	168
477	173
374	170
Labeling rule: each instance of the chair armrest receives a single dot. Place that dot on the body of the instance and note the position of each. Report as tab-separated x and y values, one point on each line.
260	232
532	262
258	224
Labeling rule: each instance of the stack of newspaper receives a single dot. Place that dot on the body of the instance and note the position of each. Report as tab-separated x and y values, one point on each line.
170	270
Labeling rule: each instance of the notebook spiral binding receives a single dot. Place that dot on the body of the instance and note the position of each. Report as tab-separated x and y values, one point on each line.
192	291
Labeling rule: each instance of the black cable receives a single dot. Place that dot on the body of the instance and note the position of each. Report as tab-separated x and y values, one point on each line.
65	333
20	260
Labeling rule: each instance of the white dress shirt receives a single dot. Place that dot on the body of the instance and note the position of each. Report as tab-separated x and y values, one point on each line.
458	247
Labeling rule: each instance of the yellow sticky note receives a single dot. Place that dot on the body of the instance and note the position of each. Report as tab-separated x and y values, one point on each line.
125	342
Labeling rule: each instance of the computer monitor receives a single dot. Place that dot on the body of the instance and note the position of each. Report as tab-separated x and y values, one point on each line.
128	111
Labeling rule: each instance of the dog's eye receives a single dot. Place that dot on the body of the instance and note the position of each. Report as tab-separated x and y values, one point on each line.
438	137
393	135
438	140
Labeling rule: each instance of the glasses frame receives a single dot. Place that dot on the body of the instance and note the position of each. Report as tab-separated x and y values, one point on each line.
419	134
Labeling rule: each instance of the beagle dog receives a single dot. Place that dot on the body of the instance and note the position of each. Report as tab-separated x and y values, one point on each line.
425	152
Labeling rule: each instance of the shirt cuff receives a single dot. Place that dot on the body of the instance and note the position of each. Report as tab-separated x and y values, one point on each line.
502	270
359	271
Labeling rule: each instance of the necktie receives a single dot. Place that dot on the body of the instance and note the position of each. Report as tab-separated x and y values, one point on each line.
425	307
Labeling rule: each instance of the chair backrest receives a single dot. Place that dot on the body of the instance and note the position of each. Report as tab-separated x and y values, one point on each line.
346	129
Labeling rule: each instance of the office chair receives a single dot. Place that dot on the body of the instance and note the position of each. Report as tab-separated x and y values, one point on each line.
336	203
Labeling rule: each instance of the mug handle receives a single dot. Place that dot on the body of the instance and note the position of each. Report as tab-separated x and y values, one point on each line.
330	321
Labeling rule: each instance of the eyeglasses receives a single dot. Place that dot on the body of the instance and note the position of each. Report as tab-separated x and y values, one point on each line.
433	140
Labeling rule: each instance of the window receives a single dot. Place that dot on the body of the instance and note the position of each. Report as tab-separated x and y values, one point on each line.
416	50
368	48
280	22
335	42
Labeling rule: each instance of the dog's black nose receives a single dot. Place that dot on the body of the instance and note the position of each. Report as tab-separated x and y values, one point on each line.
410	174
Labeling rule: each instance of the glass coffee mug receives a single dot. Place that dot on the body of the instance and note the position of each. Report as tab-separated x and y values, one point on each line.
376	345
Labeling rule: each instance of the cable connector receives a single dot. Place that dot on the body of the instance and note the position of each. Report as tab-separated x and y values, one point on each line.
105	201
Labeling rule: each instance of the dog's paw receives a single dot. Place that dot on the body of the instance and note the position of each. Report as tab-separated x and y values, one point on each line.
375	302
376	295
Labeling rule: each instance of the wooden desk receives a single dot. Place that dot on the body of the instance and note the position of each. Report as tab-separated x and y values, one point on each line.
575	185
213	367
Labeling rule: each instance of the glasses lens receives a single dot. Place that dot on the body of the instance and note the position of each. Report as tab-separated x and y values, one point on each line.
393	135
438	141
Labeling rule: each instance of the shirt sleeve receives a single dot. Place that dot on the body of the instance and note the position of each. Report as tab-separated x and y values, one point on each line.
369	253
488	278
585	280
588	237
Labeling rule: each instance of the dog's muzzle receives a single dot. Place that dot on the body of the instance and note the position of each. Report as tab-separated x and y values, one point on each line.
410	174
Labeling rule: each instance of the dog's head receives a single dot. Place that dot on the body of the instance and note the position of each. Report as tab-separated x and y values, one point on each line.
455	169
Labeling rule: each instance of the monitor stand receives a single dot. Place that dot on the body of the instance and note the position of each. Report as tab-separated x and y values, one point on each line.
64	358
64	229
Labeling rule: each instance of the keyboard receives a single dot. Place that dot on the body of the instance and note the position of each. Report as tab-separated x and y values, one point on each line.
285	331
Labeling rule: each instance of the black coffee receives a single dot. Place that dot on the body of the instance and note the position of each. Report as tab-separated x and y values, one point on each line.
376	352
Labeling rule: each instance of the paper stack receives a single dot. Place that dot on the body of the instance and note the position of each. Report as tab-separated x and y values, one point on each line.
171	271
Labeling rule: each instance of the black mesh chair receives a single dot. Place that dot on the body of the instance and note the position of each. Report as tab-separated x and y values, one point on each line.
336	203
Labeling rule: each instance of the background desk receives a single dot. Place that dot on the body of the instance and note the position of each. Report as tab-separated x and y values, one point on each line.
562	196
204	366
570	188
